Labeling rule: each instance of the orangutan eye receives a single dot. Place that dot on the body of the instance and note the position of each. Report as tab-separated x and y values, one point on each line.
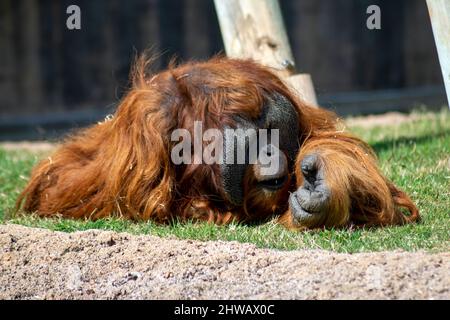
273	184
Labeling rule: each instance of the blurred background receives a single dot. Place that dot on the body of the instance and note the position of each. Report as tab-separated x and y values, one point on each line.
53	79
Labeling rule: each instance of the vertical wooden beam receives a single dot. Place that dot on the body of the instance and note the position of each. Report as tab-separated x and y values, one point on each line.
439	11
254	29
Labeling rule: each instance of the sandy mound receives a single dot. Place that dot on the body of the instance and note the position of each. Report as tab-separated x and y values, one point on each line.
36	264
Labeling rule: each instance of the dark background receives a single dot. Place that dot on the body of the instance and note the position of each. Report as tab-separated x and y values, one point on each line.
52	78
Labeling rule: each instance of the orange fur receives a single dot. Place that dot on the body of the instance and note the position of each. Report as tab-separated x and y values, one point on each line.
122	167
360	194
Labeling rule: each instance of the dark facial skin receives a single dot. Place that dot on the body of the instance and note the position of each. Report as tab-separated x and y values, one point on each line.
278	113
309	203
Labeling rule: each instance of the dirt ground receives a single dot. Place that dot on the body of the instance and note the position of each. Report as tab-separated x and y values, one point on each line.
41	264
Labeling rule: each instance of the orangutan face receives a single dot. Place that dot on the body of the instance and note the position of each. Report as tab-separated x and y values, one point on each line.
269	146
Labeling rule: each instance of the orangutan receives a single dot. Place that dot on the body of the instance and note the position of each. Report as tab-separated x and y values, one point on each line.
125	166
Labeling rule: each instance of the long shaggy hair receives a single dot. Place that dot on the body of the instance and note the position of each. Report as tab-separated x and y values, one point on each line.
123	167
360	194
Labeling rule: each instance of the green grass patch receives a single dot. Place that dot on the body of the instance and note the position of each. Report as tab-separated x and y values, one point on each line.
414	154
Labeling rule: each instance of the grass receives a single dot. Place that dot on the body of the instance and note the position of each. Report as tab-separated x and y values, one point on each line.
414	154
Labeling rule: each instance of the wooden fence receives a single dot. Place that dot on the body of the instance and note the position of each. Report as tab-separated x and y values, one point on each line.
47	70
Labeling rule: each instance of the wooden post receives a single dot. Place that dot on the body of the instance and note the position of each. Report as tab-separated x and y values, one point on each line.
254	29
439	11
